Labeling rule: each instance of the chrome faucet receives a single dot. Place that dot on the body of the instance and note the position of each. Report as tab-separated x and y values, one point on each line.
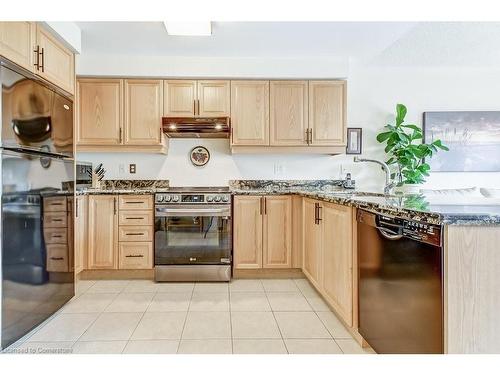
389	184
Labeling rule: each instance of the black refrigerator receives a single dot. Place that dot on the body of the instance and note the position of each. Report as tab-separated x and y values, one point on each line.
37	197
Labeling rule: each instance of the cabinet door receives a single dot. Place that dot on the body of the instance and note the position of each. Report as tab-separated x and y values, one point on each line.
250	113
143	112
247	242
312	243
327	112
99	111
337	258
277	236
288	113
180	98
16	42
57	62
213	99
81	208
103	232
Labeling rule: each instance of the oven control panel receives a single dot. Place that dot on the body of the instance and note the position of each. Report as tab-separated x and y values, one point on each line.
192	198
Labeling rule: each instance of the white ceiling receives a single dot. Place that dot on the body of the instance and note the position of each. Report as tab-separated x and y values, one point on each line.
384	43
244	39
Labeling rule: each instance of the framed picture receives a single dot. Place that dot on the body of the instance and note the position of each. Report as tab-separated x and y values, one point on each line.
473	138
354	140
199	156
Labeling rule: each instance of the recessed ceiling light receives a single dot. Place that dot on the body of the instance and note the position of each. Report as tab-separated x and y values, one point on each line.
172	126
218	126
188	28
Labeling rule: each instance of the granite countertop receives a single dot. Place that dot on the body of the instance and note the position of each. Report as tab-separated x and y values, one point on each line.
413	207
127	187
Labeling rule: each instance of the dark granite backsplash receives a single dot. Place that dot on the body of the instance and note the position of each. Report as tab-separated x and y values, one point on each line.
134	184
286	185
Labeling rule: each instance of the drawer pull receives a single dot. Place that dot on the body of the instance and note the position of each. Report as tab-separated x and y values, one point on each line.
55	204
135	218
56	219
134	256
133	202
134	234
56	236
56	258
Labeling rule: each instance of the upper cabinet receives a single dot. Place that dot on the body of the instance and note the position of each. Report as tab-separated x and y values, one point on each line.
213	98
300	116
289	113
54	62
188	98
250	113
120	115
143	112
16	42
327	107
180	98
99	111
37	50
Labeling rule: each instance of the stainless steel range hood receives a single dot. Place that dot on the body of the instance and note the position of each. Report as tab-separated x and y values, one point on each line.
196	127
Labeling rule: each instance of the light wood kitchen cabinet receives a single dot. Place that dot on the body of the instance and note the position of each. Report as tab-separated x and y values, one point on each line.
312	242
277	232
81	226
328	253
143	112
247	241
16	42
338	258
288	113
189	98
135	255
179	98
57	63
250	113
213	98
327	111
262	232
99	111
103	232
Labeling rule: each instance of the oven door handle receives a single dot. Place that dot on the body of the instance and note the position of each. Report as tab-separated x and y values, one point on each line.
169	212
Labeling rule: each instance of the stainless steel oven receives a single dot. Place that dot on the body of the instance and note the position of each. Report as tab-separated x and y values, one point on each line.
193	240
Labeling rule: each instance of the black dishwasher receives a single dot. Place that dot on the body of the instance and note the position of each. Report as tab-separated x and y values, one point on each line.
400	284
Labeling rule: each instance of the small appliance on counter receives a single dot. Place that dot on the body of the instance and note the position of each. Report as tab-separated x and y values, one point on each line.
193	240
83	175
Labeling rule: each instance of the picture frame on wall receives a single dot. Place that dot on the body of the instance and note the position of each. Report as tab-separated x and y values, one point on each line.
354	141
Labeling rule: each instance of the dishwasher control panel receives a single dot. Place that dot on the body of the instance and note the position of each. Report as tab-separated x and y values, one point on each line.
422	231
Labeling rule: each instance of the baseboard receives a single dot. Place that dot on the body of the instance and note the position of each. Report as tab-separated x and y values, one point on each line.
269	273
116	274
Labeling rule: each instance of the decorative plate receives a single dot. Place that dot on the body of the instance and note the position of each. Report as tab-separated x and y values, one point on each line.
199	156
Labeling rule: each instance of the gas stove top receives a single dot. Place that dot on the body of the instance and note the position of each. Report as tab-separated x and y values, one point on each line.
194	195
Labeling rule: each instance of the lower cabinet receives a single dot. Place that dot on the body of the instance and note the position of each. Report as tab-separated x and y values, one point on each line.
115	240
103	232
262	232
328	253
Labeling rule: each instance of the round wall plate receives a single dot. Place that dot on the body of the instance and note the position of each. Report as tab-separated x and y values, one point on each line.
199	156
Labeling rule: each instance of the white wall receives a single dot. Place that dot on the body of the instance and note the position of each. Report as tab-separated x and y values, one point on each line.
373	92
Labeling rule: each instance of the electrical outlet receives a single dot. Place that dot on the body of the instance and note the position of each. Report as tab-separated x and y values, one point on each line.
132	168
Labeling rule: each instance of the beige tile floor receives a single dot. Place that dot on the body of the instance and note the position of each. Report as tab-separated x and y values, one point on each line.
244	316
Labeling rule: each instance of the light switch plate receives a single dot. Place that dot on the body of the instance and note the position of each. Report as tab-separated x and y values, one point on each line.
132	168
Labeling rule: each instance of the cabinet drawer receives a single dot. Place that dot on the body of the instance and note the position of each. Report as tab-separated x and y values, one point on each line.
57	258
136	233
136	255
135	218
55	235
51	204
55	220
135	202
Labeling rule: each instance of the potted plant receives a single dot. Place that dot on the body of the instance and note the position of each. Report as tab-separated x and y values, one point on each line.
407	152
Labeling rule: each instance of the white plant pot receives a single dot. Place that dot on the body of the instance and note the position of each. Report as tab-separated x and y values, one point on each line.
408	189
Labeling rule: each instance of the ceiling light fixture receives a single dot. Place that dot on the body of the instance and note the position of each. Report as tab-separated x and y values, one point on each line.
202	28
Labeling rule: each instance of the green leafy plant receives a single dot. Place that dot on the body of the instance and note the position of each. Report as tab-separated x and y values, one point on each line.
406	150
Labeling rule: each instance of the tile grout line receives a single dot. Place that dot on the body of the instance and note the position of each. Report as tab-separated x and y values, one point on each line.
275	320
185	319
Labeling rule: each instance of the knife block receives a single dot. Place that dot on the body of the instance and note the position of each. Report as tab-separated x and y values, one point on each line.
96	184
